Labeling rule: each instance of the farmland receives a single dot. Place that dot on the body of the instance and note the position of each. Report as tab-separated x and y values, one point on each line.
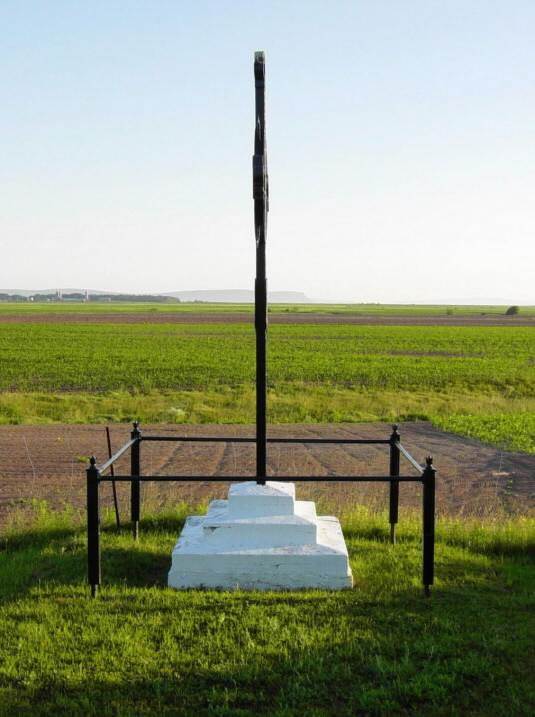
101	358
375	310
48	462
478	381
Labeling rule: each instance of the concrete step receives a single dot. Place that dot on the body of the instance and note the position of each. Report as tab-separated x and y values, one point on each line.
228	531
249	500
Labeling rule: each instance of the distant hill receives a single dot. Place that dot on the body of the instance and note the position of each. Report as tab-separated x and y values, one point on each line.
240	296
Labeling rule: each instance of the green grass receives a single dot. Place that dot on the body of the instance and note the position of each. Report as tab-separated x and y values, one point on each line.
505	423
511	431
378	649
477	381
334	309
40	357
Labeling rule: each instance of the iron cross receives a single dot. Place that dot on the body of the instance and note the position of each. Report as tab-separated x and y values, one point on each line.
261	207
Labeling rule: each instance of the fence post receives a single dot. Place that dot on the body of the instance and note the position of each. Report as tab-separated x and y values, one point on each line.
394	484
93	526
428	480
135	487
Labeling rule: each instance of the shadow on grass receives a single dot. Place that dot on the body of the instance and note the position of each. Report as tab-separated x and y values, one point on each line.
59	555
368	658
62	561
381	648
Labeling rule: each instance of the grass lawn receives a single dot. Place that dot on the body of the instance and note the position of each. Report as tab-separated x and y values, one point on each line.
378	649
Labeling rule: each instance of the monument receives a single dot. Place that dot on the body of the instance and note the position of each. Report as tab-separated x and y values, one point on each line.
261	538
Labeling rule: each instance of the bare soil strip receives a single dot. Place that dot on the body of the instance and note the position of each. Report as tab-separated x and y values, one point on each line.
244	318
48	463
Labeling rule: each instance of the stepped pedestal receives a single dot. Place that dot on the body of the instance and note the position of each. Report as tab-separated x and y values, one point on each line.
261	538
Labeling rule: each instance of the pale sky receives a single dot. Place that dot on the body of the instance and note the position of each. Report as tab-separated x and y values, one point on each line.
401	147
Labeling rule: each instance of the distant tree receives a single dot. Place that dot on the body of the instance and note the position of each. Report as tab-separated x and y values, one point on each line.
512	311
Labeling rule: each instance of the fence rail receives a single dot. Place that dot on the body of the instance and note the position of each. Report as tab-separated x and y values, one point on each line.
426	476
241	439
414	463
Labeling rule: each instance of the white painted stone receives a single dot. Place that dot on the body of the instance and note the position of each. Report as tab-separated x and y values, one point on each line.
249	500
229	548
267	531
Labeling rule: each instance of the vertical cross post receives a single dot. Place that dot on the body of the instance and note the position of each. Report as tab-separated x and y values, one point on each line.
135	487
428	480
93	526
394	484
261	207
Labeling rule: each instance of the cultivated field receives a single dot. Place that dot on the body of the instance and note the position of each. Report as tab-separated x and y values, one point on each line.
364	310
200	313
98	358
477	381
48	463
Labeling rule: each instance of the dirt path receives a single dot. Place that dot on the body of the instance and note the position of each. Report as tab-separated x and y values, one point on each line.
48	462
247	317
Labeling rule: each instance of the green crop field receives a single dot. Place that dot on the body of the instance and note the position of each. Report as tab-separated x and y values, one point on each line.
479	381
164	356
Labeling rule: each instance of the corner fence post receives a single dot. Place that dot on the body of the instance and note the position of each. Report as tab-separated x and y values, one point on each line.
93	526
428	480
135	487
394	484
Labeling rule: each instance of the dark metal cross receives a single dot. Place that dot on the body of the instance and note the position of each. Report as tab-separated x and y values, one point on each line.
261	207
95	473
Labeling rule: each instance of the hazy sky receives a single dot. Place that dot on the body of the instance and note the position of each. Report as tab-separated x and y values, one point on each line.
401	146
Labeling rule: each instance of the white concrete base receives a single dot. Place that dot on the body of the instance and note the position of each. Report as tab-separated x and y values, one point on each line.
261	539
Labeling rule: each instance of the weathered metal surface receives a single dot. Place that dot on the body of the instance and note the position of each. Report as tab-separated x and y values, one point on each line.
394	485
93	527
261	208
135	487
428	525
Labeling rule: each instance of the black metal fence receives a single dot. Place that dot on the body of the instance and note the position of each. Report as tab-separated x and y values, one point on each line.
426	475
